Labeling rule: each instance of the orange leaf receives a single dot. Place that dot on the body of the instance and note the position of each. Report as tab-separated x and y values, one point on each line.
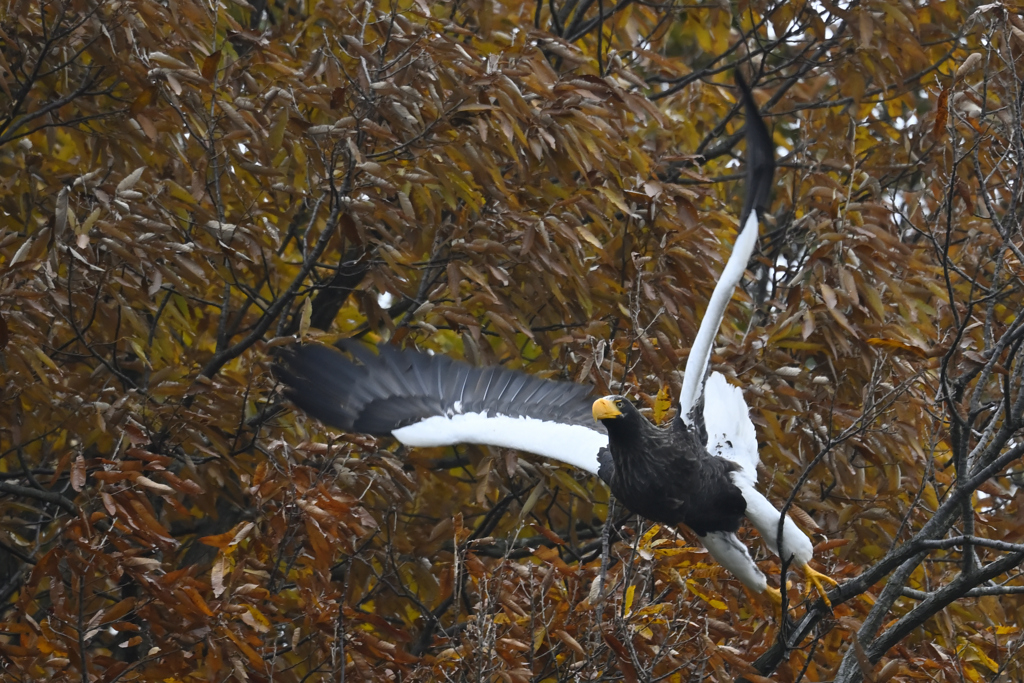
197	599
220	540
254	658
894	344
548	534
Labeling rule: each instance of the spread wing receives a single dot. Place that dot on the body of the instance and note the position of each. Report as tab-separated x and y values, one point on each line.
432	400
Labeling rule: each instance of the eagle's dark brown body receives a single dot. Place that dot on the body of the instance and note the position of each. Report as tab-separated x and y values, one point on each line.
666	475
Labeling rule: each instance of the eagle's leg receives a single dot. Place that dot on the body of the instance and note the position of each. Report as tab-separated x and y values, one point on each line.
816	578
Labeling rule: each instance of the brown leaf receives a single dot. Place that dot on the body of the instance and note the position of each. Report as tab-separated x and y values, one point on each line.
78	473
152	485
829	295
867	669
108	503
209	69
220	567
941	113
625	662
118	610
571	642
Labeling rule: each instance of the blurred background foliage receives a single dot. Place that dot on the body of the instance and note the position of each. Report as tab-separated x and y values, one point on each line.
186	187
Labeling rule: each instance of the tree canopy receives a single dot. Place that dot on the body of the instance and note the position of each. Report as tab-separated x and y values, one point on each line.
188	187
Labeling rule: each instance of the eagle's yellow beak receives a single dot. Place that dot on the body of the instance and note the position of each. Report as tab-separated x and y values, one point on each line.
604	409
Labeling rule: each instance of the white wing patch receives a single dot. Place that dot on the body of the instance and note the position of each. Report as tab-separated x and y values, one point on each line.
575	445
731	434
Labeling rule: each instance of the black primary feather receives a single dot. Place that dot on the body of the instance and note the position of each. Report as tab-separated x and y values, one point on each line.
760	156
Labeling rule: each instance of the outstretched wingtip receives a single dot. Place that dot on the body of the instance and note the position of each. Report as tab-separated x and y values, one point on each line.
317	379
760	155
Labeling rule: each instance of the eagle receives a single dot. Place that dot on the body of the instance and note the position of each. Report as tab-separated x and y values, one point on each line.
699	470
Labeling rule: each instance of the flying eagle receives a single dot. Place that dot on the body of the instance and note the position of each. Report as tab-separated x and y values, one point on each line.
700	470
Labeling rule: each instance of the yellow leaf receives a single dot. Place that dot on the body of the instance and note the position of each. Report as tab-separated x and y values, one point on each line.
976	654
180	193
589	237
137	348
307	315
616	199
874	300
532	499
645	542
801	346
630	592
276	136
829	295
711	600
538	638
653	610
45	359
895	344
256	619
90	221
662	404
566	480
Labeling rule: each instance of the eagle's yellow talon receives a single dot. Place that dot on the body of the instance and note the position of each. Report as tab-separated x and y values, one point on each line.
816	578
775	595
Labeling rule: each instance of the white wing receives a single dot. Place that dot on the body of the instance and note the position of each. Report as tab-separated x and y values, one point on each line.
575	445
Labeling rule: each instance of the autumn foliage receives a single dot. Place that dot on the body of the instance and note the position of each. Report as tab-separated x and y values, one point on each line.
187	187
